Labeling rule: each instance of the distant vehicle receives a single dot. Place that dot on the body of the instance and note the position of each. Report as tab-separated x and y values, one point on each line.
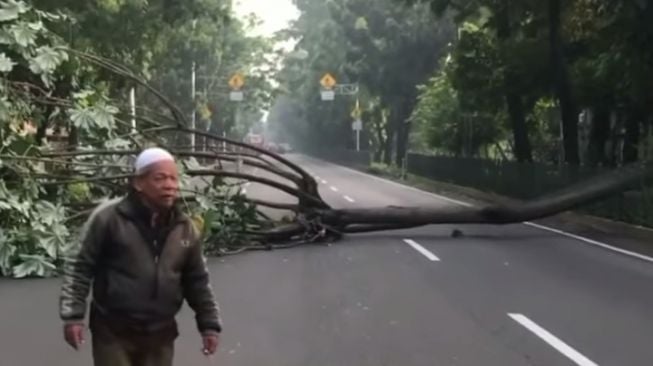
285	148
255	139
272	147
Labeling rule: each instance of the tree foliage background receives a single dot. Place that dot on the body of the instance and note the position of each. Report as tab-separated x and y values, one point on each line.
562	82
67	139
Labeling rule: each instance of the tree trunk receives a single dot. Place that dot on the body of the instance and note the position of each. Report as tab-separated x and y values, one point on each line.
402	142
404	108
631	139
599	134
375	117
387	148
390	132
523	151
73	137
42	129
562	87
566	199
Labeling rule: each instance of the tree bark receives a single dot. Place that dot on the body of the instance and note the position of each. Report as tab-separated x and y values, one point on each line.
522	149
42	128
73	137
405	108
599	134
631	139
566	199
387	146
562	87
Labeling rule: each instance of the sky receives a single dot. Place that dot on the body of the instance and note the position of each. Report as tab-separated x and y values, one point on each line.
275	14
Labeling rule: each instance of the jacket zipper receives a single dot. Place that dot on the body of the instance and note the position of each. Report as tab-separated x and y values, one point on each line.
155	291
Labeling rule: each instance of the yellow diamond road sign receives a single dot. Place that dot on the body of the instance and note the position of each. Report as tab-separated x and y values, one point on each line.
237	81
356	112
328	81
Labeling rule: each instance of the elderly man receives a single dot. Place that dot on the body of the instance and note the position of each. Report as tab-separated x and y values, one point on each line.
144	258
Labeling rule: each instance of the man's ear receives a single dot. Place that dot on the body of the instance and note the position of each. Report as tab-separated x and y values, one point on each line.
137	184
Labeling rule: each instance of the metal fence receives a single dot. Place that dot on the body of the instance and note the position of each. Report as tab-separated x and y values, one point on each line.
516	180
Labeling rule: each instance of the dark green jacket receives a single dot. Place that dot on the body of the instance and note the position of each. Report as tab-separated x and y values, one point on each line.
139	272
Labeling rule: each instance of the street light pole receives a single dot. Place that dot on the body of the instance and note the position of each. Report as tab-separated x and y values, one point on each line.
192	123
132	102
192	81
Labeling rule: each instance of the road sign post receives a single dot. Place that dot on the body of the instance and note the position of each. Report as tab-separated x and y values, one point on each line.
357	126
327	95
236	96
236	83
328	82
358	123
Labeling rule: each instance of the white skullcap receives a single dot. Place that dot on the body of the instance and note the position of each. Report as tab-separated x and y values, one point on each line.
151	156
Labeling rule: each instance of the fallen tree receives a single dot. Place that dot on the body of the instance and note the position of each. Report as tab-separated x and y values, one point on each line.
47	191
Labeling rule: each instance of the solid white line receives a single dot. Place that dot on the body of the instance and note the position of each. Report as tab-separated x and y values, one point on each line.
349	199
443	198
334	189
531	224
432	257
553	341
590	241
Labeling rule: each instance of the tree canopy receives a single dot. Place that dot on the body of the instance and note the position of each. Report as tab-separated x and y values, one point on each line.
552	81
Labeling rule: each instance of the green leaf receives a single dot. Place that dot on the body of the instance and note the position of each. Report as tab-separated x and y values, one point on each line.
49	214
83	94
117	143
7	251
23	34
82	118
104	116
50	244
6	64
5	37
361	24
54	240
47	60
193	164
50	16
11	9
205	203
33	265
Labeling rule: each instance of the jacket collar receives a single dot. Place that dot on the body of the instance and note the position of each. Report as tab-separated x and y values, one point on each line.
132	207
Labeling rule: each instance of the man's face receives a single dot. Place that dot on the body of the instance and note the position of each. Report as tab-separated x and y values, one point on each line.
160	184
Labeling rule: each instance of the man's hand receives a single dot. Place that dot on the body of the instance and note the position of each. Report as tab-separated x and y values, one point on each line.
74	334
210	340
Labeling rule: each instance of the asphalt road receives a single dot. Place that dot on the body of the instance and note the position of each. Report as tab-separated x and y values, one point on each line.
499	295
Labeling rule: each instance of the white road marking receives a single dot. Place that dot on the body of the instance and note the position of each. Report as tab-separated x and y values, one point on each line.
324	181
531	224
552	340
432	257
334	189
349	199
590	241
244	191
